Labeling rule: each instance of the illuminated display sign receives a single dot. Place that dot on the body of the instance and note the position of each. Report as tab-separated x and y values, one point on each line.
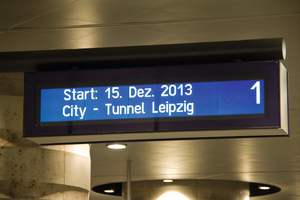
242	97
179	102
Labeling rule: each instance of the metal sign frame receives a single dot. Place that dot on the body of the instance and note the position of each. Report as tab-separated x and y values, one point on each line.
273	123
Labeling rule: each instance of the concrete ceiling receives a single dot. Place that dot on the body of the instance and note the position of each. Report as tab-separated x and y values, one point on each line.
72	24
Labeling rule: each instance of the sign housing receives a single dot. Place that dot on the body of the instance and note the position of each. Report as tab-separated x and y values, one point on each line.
156	103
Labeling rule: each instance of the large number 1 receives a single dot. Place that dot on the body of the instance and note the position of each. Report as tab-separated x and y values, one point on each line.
257	87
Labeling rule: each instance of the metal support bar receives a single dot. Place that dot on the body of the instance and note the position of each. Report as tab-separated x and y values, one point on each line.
129	180
141	56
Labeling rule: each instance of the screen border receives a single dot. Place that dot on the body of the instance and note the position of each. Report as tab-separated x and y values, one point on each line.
35	81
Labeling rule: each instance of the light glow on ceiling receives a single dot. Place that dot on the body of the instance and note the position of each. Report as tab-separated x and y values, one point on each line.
168	181
264	187
172	195
247	198
116	146
109	191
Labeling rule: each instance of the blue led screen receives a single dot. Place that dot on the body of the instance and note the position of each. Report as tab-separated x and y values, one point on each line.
194	99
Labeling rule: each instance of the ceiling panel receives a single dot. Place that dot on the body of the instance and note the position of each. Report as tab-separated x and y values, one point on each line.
276	22
177	39
231	30
96	11
213	9
154	16
71	34
140	3
22	41
51	22
13	13
173	27
123	36
294	114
